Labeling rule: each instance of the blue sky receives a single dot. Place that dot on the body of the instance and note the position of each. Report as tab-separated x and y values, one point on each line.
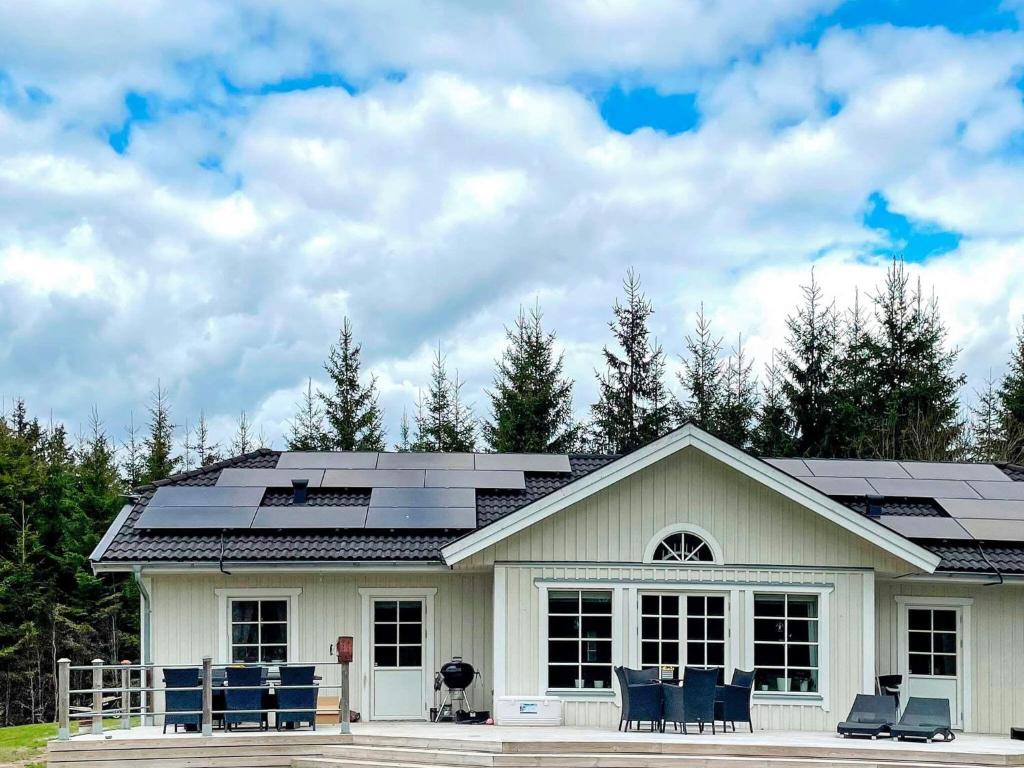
198	193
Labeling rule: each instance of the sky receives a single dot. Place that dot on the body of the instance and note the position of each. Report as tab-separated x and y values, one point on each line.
198	192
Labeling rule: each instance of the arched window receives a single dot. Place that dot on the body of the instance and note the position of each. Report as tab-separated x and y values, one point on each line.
683	544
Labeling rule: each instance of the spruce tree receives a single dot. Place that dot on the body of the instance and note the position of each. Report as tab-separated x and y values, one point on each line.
531	402
133	463
633	406
306	430
443	421
354	419
1011	400
737	408
810	368
404	444
206	451
159	459
244	440
987	441
774	431
854	385
701	377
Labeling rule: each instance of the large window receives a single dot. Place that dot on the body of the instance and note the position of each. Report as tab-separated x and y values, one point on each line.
579	639
682	630
786	643
259	630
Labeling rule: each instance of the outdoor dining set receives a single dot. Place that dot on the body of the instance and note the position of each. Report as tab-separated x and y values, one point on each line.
242	695
698	699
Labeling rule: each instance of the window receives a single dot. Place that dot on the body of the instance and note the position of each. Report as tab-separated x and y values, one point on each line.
932	641
786	643
579	639
684	547
259	630
397	633
687	627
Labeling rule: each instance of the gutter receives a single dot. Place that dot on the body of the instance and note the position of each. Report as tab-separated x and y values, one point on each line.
146	642
276	566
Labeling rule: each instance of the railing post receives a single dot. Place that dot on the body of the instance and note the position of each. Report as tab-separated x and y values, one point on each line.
207	696
344	700
63	699
126	695
97	695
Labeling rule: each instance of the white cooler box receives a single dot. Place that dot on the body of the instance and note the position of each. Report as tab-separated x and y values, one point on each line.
528	710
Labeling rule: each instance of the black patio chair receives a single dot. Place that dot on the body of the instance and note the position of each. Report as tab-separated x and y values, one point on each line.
925	719
243	698
732	702
641	702
698	699
183	707
889	685
301	700
870	716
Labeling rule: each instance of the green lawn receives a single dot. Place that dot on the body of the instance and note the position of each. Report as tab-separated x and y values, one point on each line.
25	742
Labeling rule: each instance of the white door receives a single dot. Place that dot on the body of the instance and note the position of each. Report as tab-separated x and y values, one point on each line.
682	629
397	664
933	664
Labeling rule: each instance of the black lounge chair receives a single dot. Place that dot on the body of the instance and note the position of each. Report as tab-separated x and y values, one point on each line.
641	701
925	719
870	716
732	702
183	707
300	703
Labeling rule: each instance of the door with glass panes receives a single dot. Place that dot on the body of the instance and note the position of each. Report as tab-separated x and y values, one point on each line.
680	629
397	665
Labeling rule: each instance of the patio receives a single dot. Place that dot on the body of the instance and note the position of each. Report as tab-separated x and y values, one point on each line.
418	743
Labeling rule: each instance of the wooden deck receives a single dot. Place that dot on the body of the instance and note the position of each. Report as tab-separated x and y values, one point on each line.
419	745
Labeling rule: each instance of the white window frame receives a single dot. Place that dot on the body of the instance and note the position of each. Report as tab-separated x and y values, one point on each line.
717	556
727	642
226	596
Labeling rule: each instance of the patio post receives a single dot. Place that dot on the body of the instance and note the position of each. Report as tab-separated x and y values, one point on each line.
63	699
344	700
126	695
207	696
97	695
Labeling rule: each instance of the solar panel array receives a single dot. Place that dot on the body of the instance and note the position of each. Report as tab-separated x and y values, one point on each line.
980	501
407	491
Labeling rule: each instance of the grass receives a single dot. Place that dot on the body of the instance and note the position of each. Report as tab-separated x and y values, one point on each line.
27	742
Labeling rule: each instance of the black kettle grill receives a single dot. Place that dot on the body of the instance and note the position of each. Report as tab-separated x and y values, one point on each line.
455	677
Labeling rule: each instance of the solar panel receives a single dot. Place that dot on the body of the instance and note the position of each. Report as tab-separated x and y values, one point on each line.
205	496
840	486
915	527
310	517
855	468
421	517
269	478
524	462
423	497
196	517
998	490
792	467
984	508
938	470
928	489
373	478
327	460
995	530
425	461
479	478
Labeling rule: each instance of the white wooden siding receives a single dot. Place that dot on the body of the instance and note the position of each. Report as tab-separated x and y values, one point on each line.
997	646
185	620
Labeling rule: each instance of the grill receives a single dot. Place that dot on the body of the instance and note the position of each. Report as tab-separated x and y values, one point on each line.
455	677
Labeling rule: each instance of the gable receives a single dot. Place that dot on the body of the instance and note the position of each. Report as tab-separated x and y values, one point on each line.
756	513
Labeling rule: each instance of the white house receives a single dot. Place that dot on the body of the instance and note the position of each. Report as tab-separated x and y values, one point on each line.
546	571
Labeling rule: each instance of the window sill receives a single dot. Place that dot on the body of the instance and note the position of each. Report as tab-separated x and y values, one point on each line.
793	698
582	694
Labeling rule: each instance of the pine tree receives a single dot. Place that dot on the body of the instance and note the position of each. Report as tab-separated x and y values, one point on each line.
354	419
244	441
307	428
133	465
159	460
773	434
810	367
737	408
404	444
443	421
531	401
701	377
634	407
987	440
206	452
1011	400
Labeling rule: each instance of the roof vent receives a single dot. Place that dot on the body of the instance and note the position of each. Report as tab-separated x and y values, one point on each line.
299	490
875	506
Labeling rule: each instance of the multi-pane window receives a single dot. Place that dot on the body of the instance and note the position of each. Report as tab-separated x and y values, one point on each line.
659	630
932	641
684	548
786	643
259	631
398	633
677	630
705	631
579	639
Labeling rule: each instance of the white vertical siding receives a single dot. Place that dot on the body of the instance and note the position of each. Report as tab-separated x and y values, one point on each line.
997	646
185	620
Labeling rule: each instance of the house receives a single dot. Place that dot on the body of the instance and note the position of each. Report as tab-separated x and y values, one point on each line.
545	571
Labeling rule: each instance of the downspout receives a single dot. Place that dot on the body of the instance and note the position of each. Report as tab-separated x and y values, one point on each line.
146	642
